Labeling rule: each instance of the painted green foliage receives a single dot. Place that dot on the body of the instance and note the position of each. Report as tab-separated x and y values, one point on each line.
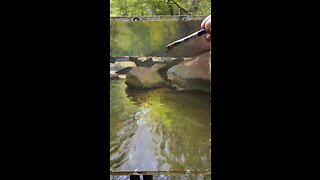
147	38
144	38
159	7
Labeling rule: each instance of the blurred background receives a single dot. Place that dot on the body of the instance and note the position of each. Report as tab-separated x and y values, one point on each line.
159	7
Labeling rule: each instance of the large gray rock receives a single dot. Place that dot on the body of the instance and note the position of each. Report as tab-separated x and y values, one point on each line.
168	64
158	66
144	78
163	66
192	75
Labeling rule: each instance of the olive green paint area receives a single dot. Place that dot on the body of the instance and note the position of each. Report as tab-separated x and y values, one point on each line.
150	38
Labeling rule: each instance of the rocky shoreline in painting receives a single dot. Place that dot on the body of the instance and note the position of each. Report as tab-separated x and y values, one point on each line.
182	74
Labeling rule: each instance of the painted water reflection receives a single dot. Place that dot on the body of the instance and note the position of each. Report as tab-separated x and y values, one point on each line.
159	130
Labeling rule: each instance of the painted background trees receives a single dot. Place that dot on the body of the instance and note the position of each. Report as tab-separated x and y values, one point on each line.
159	7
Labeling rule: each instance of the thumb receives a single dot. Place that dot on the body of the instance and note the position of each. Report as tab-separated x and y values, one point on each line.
208	26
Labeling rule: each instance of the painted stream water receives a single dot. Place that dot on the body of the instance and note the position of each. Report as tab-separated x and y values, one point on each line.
159	130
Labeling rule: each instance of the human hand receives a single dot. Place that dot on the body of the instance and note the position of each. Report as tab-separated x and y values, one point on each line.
206	24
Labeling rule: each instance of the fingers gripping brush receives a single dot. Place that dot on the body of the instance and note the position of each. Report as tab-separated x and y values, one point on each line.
185	39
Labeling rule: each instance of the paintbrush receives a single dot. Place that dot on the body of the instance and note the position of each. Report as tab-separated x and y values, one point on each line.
185	39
